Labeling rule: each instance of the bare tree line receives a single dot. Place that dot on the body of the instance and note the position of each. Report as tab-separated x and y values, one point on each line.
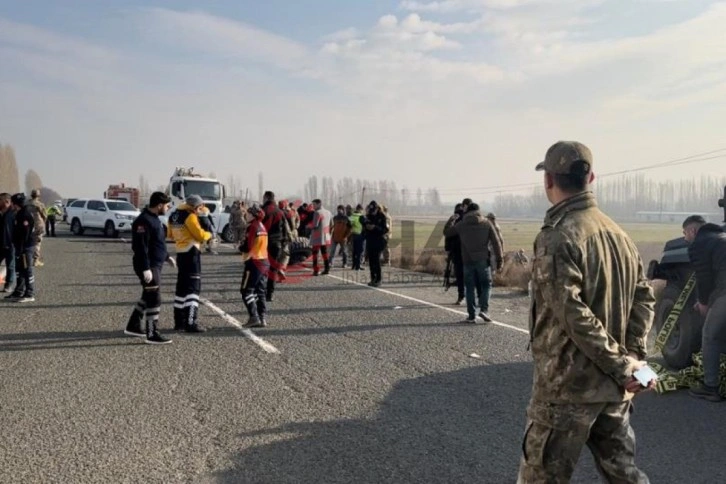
10	179
352	191
625	196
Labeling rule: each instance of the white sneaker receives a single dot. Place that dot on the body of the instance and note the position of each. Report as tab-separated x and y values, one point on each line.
470	321
485	317
25	299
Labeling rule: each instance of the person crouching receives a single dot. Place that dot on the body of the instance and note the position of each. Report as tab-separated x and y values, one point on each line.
256	268
188	236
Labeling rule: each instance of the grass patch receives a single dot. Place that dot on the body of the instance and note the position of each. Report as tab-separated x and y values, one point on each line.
424	245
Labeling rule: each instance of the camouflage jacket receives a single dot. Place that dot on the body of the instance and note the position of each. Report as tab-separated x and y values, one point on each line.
38	210
591	305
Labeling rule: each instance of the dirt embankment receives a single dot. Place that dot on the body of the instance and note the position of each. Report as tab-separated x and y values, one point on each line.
517	267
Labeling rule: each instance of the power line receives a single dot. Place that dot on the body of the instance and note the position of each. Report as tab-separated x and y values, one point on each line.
674	162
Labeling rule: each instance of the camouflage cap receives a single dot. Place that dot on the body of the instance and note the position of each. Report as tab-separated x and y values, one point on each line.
561	156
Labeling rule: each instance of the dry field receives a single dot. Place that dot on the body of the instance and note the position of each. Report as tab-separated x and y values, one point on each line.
424	251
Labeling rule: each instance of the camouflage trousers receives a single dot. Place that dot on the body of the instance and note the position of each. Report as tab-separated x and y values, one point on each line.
556	434
38	238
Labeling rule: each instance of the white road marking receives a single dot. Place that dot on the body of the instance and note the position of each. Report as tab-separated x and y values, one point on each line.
248	334
427	303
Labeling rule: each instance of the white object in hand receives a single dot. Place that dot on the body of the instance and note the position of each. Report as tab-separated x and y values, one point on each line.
148	276
645	375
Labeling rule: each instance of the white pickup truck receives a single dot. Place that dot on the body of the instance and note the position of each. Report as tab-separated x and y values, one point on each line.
110	216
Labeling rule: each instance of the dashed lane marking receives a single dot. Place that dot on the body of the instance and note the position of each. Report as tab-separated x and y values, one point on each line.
427	303
246	332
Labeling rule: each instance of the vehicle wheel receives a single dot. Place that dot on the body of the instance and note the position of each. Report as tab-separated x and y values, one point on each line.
76	227
300	250
227	234
685	339
109	230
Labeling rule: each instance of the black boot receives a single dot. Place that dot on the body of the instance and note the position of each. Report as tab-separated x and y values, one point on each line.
193	325
153	337
133	327
179	322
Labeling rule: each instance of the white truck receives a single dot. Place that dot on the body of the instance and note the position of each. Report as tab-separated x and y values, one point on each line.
110	216
185	182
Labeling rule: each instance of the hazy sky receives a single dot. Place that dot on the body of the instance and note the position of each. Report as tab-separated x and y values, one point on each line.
451	93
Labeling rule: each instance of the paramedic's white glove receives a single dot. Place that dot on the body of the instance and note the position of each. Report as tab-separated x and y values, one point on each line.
148	276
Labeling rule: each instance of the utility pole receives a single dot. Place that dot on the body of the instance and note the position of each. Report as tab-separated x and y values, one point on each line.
362	195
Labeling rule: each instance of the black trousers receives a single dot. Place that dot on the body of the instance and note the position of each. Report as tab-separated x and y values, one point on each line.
323	250
374	262
254	287
148	306
459	273
50	226
188	287
274	254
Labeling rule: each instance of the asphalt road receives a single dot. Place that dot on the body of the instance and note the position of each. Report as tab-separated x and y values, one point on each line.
354	385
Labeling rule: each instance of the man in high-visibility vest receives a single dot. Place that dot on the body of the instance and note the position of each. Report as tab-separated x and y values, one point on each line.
51	215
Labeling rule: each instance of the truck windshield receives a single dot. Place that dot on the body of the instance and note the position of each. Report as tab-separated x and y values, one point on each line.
120	206
208	190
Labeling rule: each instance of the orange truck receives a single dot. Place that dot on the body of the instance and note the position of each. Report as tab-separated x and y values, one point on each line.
122	192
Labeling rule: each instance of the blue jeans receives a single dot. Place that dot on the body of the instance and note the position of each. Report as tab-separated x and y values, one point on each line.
358	243
714	341
24	272
8	255
477	273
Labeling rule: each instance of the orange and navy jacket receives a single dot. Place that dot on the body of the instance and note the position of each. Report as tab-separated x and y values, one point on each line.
255	244
185	229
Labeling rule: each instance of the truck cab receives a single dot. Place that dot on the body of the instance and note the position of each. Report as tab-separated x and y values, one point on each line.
185	182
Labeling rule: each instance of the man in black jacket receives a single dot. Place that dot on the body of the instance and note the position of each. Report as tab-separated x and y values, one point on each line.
148	242
375	228
707	252
24	246
278	234
7	251
452	245
477	236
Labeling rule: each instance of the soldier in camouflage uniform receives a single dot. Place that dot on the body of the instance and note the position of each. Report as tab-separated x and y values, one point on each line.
591	311
37	208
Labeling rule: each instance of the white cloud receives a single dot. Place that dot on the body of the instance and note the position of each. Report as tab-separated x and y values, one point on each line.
448	6
413	90
227	38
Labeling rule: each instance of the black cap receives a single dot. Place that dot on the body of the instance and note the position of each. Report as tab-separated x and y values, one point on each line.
18	199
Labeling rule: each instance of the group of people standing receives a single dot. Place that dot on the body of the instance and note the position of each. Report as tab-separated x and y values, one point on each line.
264	234
22	225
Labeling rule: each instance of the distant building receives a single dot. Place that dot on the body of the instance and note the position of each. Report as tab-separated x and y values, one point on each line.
674	217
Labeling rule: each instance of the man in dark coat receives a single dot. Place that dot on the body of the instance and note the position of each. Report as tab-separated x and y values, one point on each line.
375	228
707	252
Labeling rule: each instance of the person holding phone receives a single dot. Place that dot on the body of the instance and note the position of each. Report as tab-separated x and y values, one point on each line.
592	308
